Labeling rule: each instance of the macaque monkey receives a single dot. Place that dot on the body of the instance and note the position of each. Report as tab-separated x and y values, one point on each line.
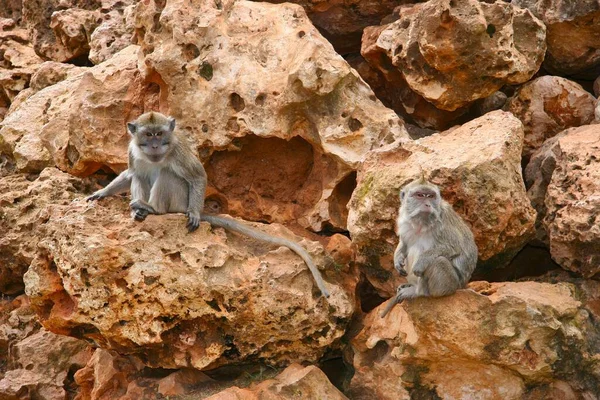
436	246
165	176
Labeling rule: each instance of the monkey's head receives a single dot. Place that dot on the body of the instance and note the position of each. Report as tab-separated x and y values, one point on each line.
152	133
422	199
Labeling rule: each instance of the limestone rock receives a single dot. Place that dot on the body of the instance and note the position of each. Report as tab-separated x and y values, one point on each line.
573	35
73	28
306	118
496	344
453	53
177	300
476	166
51	72
563	178
548	105
78	124
295	382
23	203
115	31
42	363
37	18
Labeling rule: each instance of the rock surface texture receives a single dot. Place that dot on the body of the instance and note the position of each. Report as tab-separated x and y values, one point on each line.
483	182
455	52
496	343
564	185
549	105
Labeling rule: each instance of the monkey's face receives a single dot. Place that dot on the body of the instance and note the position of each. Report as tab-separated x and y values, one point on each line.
421	200
154	140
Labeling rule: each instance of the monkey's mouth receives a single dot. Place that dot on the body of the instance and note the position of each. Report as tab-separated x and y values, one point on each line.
155	157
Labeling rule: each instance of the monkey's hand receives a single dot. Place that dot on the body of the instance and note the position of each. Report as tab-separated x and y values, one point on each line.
399	261
96	196
193	220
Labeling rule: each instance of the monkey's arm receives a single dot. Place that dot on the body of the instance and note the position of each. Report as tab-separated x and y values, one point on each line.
400	258
235	226
120	184
196	192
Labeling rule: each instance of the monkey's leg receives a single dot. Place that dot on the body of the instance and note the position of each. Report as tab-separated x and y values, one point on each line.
441	278
120	184
400	258
140	192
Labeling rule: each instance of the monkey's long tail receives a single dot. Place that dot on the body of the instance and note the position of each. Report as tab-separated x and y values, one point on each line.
236	226
389	306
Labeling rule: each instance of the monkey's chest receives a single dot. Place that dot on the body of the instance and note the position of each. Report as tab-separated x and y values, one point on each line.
417	241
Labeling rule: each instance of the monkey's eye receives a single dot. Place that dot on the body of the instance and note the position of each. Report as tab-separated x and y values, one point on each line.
149	134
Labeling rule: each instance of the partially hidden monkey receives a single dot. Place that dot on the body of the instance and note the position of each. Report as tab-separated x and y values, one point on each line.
436	246
165	176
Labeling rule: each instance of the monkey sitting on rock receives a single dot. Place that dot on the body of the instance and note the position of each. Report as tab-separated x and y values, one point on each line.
436	246
165	176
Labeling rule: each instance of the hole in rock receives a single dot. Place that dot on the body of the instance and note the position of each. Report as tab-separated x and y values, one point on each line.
266	178
301	34
81	61
237	102
368	295
491	29
206	70
338	205
191	51
354	124
338	372
215	204
260	99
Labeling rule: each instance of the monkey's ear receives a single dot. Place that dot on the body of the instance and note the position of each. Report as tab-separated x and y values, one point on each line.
131	128
171	124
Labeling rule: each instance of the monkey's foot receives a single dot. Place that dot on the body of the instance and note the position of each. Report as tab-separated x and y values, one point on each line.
401	270
142	205
139	214
193	221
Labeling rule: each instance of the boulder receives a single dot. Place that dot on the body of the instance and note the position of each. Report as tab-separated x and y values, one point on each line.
304	122
495	341
563	178
573	35
175	299
73	28
476	166
453	53
115	31
549	105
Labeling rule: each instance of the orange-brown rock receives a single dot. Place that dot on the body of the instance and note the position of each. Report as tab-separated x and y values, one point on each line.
73	28
115	31
455	52
24	202
78	123
548	105
294	132
37	18
563	178
573	35
502	342
476	166
177	300
295	382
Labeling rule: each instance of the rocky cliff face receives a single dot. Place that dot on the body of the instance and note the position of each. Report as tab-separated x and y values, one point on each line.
309	117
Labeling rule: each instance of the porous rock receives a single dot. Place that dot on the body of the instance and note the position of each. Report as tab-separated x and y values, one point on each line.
549	105
476	166
573	35
497	341
455	52
306	118
73	28
563	178
114	32
177	300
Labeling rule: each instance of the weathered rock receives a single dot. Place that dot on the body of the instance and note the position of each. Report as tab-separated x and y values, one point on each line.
18	62
548	105
179	300
37	17
182	382
499	343
495	101
573	35
41	364
73	28
301	124
453	53
11	9
17	321
482	180
295	382
51	72
79	123
115	31
563	178
23	204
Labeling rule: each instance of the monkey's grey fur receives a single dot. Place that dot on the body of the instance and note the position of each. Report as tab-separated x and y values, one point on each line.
165	176
436	245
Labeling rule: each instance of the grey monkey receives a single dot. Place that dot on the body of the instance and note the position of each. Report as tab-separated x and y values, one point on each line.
165	176
436	246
